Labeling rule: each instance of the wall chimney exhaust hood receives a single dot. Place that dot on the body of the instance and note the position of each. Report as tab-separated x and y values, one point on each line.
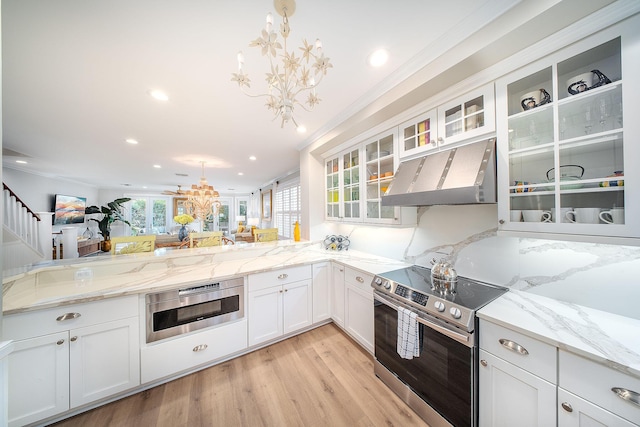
459	176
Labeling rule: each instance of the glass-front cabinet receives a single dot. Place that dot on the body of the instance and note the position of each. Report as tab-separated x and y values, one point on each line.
380	166
567	152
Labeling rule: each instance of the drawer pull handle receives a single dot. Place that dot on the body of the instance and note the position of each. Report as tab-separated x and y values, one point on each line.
483	362
513	346
60	342
283	276
567	407
74	339
628	395
67	316
360	279
200	347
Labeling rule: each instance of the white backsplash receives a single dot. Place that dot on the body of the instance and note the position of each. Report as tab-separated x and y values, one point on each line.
600	276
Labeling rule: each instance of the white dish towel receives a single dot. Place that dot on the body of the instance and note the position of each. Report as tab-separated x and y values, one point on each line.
408	340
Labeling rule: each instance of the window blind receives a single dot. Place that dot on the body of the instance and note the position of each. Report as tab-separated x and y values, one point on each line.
287	207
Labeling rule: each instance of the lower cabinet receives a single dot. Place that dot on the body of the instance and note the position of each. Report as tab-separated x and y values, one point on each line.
574	411
337	294
84	356
179	354
359	307
321	292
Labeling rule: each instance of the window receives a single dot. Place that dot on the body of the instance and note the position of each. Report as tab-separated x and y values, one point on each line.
287	207
148	215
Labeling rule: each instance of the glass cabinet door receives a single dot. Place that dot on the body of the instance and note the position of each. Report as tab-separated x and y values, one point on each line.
351	184
419	134
332	188
468	116
380	168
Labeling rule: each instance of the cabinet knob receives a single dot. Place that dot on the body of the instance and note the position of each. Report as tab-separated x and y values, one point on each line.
60	342
360	279
513	346
68	316
567	407
483	363
200	347
74	339
283	276
501	221
433	142
440	140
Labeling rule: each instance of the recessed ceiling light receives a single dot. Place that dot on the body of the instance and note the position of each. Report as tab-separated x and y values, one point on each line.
378	58
22	162
240	173
252	157
159	95
301	129
131	141
157	166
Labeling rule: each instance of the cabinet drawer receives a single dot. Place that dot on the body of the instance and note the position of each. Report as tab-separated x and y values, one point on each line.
278	277
594	382
358	279
41	322
541	359
179	354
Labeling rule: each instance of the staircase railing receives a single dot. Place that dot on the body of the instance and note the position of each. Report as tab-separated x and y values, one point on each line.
21	220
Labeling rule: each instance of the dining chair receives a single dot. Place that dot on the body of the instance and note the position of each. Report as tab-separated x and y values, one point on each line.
132	244
205	239
265	234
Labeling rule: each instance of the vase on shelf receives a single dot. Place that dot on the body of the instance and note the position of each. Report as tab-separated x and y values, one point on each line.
183	233
105	246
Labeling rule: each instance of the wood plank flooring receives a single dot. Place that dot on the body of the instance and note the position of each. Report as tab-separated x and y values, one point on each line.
319	378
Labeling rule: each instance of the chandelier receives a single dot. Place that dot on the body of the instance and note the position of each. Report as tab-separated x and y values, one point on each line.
292	77
202	199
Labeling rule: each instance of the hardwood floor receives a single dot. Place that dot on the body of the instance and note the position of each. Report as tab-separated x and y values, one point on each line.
319	378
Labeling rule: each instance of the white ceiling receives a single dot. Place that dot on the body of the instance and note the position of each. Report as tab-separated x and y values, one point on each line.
77	75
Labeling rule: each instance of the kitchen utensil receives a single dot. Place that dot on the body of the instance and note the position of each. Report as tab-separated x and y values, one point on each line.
444	277
584	215
522	187
567	173
536	215
586	81
613	216
535	99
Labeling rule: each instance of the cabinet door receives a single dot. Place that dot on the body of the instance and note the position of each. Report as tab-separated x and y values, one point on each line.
359	315
576	412
419	135
380	164
332	186
265	315
104	360
38	378
297	306
468	116
337	294
350	206
321	292
510	396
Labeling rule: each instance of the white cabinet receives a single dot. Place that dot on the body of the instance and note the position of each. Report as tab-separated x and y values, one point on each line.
359	307
590	392
337	294
567	139
517	379
69	356
280	302
464	118
321	291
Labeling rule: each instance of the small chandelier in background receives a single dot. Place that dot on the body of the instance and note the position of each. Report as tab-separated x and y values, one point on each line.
285	84
202	199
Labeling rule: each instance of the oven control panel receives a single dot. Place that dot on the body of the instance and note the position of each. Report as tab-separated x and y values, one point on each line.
411	295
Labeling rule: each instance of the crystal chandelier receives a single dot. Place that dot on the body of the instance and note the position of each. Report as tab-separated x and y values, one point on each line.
291	78
202	199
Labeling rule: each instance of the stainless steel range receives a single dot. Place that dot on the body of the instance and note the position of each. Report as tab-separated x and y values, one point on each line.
440	381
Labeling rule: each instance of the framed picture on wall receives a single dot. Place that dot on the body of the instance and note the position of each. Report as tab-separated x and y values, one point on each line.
266	205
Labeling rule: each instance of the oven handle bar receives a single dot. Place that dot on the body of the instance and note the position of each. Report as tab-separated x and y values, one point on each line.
464	339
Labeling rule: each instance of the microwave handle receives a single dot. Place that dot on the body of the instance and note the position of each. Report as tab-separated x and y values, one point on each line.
464	339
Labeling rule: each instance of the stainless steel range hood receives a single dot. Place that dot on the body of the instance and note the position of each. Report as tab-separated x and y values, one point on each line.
462	175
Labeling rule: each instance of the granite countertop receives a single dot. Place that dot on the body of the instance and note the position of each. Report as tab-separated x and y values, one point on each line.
82	280
604	337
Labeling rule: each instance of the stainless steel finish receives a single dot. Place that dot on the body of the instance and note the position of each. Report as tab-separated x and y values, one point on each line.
360	279
190	296
200	347
426	412
60	342
283	276
513	346
74	339
462	175
628	395
483	363
464	338
67	316
567	407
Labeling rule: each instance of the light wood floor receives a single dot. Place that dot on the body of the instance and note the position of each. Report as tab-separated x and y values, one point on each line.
319	378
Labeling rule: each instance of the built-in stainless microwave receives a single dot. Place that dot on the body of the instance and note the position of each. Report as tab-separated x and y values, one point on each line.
185	310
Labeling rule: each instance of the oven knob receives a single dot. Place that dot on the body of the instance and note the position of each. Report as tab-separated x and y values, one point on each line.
439	305
455	312
378	281
387	285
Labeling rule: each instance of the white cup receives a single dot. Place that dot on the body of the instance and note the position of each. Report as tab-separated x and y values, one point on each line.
560	213
584	215
536	215
582	81
516	216
613	216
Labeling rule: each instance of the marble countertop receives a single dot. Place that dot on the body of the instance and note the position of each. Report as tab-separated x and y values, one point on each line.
597	335
82	280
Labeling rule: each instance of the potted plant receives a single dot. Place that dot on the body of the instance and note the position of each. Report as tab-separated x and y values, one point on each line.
110	213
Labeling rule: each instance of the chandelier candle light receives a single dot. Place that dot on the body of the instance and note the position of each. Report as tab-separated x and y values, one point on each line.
284	87
202	199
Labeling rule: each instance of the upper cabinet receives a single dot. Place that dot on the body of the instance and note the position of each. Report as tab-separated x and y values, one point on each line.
463	118
565	148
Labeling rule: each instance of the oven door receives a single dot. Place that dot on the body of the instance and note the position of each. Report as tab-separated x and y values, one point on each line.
443	375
